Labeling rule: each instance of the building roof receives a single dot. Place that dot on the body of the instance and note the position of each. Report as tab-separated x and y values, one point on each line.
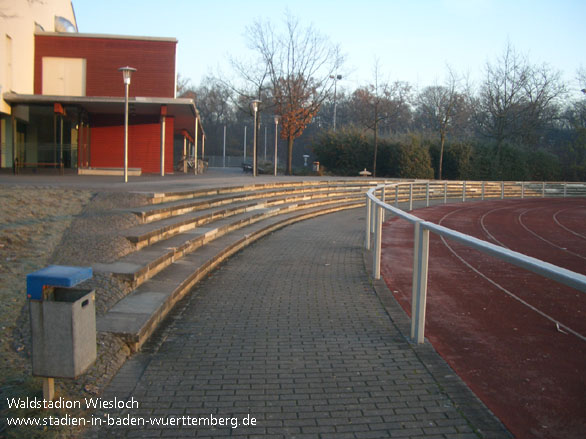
182	109
104	36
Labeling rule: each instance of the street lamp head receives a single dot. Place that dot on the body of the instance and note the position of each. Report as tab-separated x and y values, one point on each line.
339	77
255	104
277	117
127	73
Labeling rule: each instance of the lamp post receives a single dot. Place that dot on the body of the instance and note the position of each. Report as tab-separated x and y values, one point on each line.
126	74
336	78
254	105
276	125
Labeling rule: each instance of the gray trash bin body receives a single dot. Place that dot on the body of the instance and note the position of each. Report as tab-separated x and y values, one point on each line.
63	333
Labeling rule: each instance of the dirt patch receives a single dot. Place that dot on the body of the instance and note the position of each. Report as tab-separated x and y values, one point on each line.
40	226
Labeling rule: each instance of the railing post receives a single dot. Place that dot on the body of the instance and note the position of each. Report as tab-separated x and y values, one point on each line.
382	198
483	190
378	233
372	208
543	190
464	192
565	189
419	291
445	192
427	194
502	190
410	197
367	237
522	190
397	196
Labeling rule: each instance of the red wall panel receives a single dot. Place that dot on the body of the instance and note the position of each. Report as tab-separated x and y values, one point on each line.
144	143
153	59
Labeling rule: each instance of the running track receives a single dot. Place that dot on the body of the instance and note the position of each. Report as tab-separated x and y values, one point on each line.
517	339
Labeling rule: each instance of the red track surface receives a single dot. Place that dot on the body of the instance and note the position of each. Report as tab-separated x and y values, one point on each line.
525	361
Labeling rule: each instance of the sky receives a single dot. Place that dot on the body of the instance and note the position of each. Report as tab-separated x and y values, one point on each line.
412	40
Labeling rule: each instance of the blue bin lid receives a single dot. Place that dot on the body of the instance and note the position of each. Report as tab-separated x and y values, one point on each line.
55	276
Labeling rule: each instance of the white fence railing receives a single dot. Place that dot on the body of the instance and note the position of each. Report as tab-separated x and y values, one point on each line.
408	192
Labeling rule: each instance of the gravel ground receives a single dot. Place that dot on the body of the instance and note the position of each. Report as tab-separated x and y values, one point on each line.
40	226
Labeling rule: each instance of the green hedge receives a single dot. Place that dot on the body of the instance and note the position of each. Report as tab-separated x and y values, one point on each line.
348	152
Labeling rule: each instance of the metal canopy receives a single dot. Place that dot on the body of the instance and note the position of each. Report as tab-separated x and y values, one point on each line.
182	109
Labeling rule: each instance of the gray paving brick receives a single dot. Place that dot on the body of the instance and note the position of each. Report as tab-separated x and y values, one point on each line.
289	331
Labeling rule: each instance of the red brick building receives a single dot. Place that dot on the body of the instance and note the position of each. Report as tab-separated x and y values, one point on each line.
75	118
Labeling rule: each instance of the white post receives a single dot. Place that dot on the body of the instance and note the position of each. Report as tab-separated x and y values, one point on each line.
255	105
126	74
397	195
445	192
427	194
522	190
483	191
195	146
543	190
372	213
378	233
383	196
463	192
367	237
502	190
419	291
163	118
126	84
224	149
410	197
244	143
276	139
184	154
414	278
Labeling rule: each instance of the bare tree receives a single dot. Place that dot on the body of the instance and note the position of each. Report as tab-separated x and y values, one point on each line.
438	105
299	62
379	102
517	99
183	86
213	100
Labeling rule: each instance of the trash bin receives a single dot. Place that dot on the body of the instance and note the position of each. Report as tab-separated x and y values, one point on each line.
63	321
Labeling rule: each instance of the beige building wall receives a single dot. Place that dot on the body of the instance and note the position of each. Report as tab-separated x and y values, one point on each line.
18	21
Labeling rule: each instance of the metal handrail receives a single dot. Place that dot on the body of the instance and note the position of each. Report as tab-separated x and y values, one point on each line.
375	216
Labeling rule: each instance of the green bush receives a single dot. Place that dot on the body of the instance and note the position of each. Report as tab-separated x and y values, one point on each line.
414	159
346	152
457	163
349	151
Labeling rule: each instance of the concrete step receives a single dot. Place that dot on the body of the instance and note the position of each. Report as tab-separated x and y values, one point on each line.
152	232
142	265
163	197
168	209
135	317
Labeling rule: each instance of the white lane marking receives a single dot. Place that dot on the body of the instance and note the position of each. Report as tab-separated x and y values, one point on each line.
542	238
504	290
555	218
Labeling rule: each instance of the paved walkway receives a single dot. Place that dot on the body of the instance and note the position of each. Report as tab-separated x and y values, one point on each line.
213	177
290	332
